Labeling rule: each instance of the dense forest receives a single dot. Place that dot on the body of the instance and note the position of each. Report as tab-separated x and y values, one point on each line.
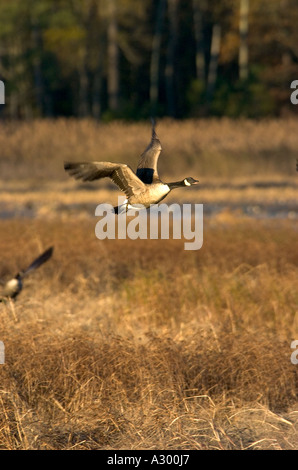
130	59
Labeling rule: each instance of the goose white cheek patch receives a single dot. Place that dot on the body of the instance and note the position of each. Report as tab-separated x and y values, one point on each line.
158	222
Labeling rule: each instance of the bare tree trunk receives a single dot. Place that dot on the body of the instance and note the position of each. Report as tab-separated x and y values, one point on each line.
212	72
96	92
37	70
25	109
155	56
83	88
198	27
113	58
170	65
42	97
243	48
98	38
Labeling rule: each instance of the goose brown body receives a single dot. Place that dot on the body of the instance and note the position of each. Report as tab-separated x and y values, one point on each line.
142	188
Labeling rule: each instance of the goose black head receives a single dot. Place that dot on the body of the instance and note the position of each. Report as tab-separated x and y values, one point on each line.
190	181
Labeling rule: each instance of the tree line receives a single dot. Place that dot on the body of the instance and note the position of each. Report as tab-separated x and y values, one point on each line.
131	59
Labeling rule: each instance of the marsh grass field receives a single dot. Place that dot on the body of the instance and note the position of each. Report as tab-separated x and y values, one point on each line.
139	344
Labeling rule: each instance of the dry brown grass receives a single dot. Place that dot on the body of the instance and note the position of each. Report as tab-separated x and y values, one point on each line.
122	344
243	166
141	345
220	148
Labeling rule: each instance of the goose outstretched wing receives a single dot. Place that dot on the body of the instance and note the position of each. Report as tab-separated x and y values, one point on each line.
121	174
38	261
147	167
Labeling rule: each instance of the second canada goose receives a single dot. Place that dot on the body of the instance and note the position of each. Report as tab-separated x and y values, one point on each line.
142	188
13	287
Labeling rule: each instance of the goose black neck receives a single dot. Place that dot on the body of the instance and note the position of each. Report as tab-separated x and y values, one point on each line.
177	184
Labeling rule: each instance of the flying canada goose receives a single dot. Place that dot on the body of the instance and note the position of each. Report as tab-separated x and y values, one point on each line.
142	188
13	287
